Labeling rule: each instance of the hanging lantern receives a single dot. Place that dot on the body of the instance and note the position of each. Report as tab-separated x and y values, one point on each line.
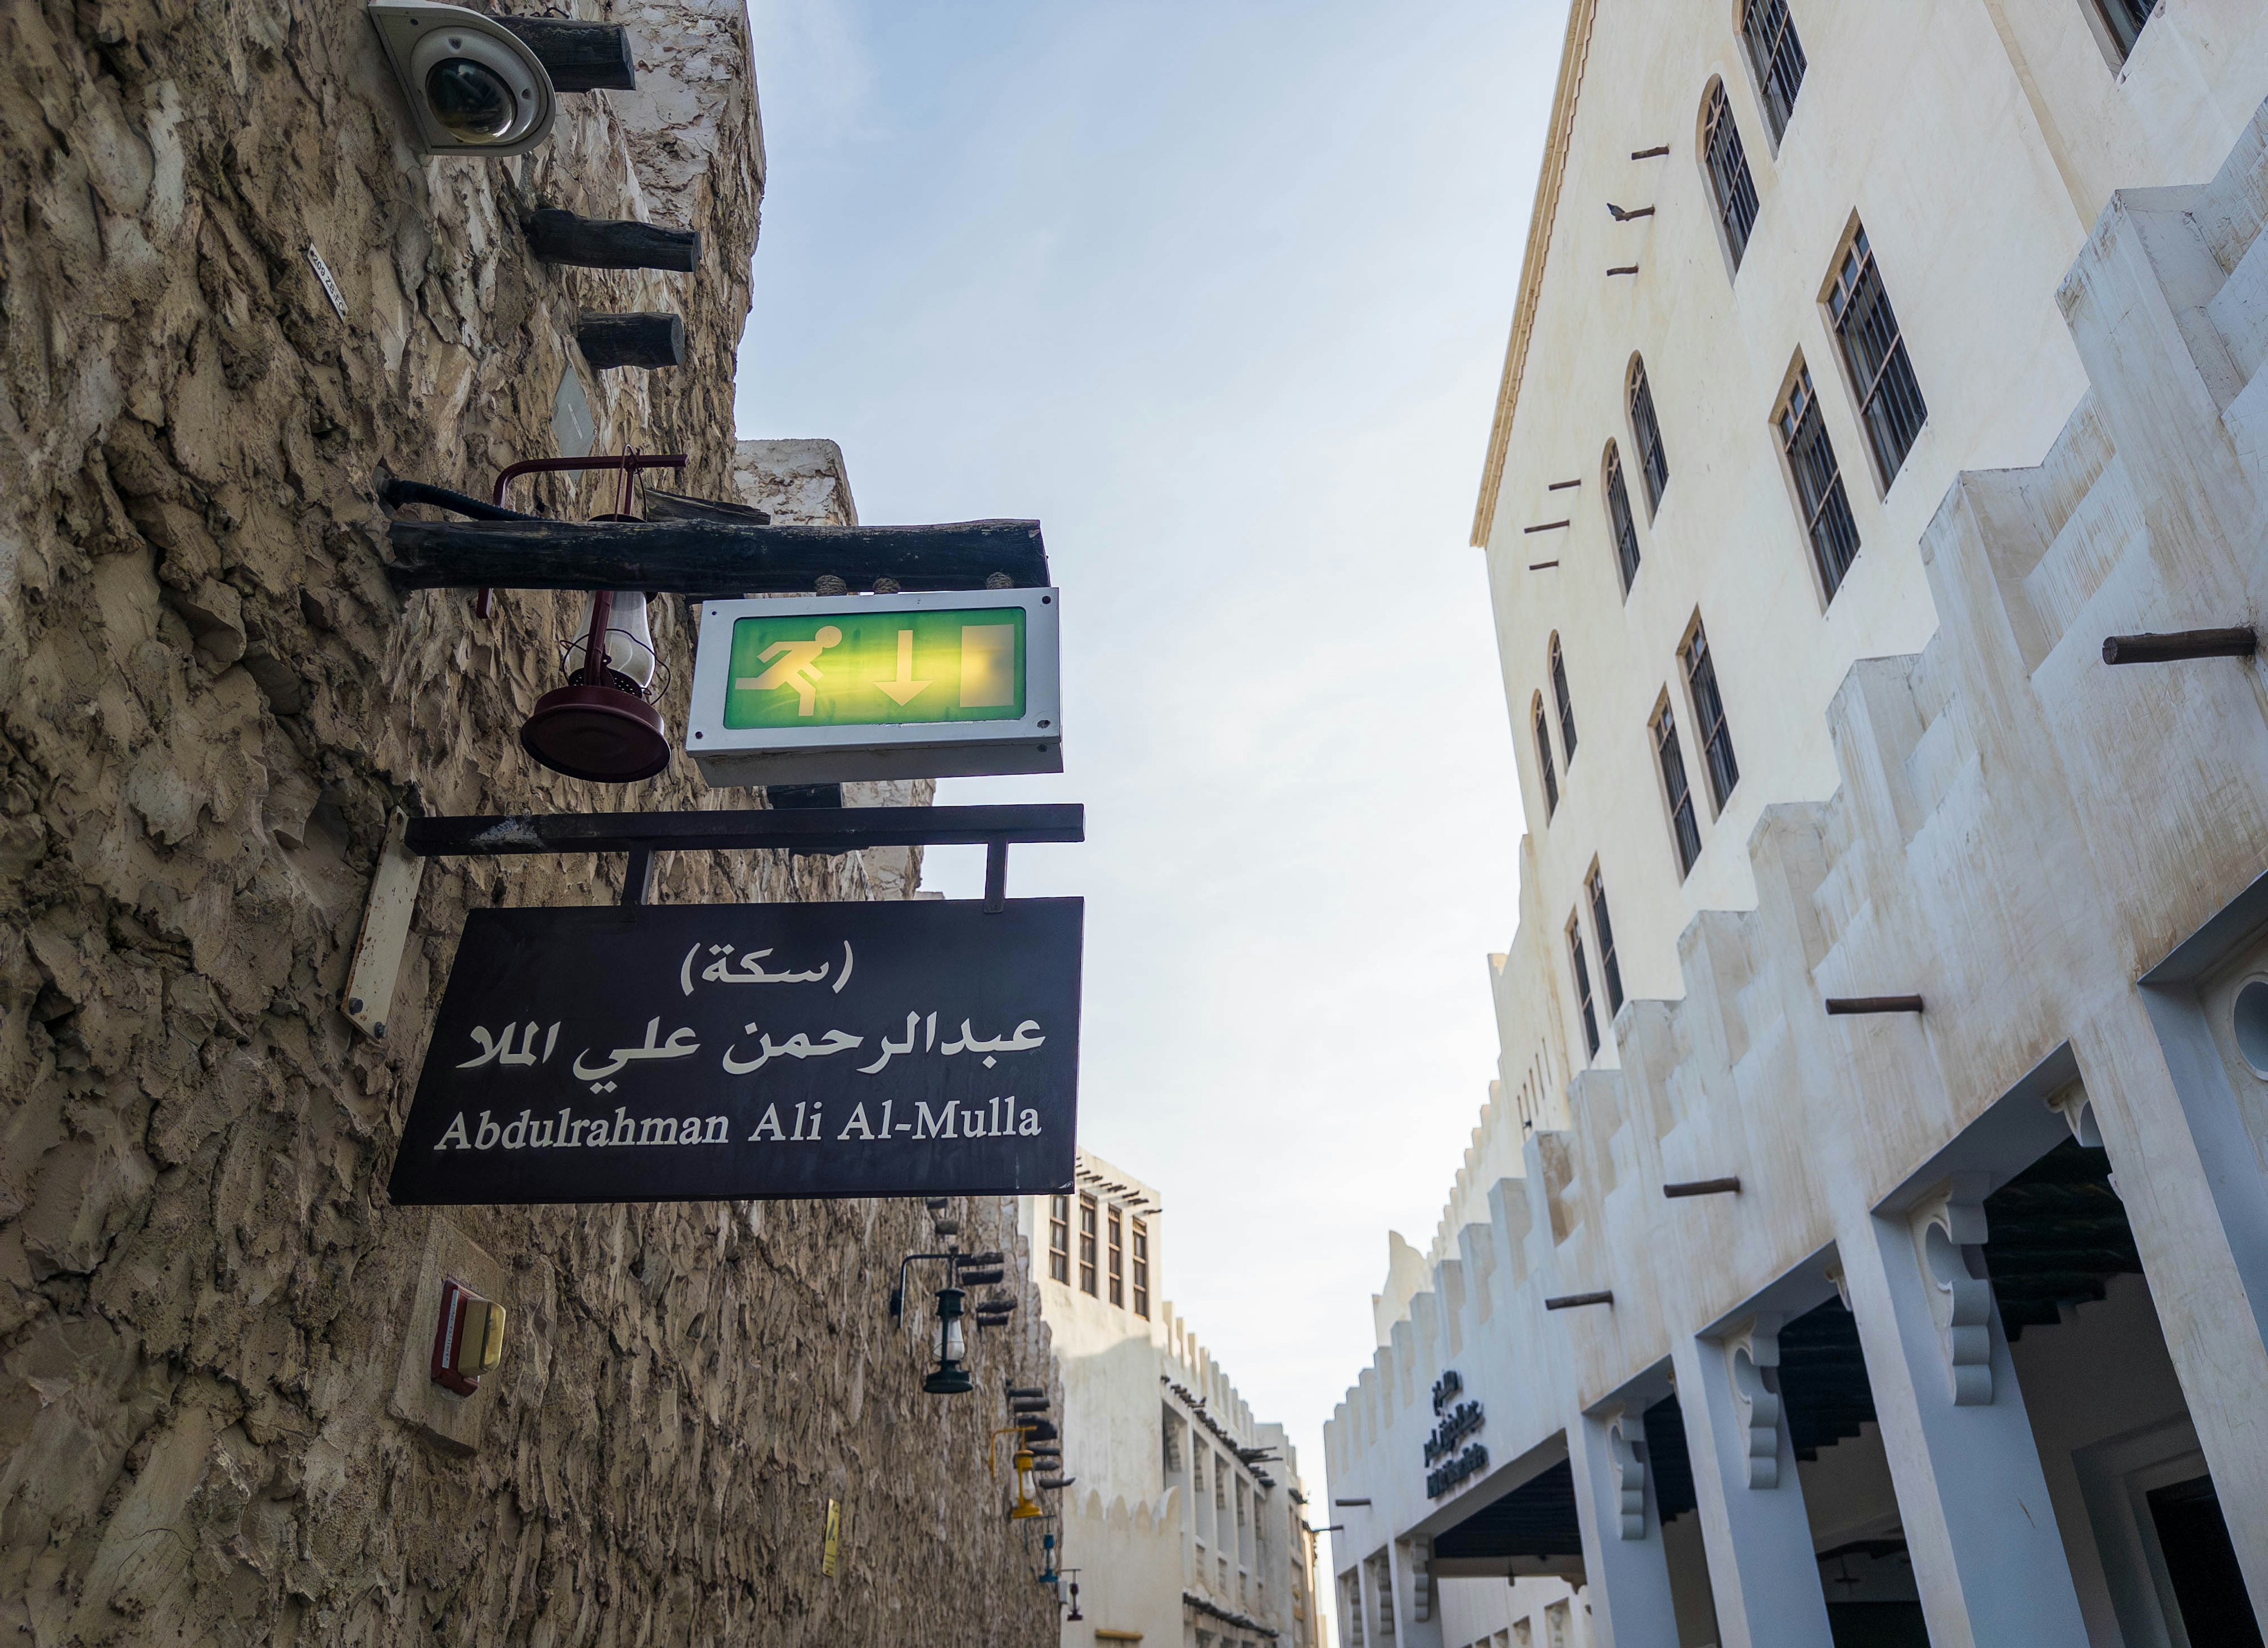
1025	1507
949	1378
1047	1575
1074	1614
600	726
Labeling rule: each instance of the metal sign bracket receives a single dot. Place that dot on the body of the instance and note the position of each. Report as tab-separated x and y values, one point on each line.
813	832
805	831
369	996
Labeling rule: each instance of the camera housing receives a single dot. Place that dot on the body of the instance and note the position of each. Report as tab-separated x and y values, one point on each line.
473	87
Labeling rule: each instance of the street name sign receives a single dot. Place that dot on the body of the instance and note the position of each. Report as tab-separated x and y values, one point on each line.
951	684
714	1052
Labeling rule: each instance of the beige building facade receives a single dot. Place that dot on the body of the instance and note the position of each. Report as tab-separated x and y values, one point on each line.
1863	1237
1182	1516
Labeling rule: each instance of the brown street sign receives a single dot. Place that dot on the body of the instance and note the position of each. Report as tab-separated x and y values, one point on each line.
704	1052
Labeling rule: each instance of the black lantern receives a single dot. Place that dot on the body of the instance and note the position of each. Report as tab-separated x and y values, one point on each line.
1068	1573
949	1378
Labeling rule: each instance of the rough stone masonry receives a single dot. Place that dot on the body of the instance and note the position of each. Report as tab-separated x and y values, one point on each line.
210	701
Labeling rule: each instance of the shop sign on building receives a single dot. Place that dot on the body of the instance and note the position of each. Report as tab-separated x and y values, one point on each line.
817	690
693	1052
1455	1421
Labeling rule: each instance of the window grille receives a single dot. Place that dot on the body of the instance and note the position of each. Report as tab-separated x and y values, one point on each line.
1889	399
1141	1268
1776	55
1653	460
1059	1239
1620	519
1609	969
1116	1226
1087	1244
2125	20
1682	822
1583	987
1543	761
1709	706
1729	172
1818	484
1558	666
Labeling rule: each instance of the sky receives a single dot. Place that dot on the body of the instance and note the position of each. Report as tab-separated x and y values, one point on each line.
1218	293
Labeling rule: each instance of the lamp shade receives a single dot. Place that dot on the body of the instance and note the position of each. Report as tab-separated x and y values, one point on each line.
629	638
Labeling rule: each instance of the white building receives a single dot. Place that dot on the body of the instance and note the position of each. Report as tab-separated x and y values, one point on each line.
1871	368
1184	1518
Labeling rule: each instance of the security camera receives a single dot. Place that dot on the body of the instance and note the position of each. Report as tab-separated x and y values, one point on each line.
473	85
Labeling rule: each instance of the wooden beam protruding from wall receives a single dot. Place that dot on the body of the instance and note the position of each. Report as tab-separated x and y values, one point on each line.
708	560
608	340
578	56
556	236
1569	1301
2179	644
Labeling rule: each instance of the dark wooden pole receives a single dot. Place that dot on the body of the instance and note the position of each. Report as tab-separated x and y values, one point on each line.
578	56
818	835
710	559
1704	1187
608	340
2179	644
1842	1006
556	236
1569	1301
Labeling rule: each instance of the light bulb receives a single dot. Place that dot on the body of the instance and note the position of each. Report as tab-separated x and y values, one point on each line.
629	638
951	1346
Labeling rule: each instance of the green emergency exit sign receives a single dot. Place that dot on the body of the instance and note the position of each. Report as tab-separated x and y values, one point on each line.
937	684
877	669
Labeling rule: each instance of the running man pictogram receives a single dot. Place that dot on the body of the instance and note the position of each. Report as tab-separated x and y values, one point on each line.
797	668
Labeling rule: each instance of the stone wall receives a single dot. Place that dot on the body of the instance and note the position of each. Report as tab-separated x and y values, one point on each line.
210	700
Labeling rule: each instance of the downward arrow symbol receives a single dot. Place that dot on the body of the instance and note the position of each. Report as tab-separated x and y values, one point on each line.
901	691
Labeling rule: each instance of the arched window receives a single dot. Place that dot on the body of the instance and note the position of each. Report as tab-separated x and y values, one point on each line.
1543	757
1646	430
1818	480
1582	985
1708	705
1729	181
1559	668
1619	519
1776	55
1874	350
1676	790
1603	931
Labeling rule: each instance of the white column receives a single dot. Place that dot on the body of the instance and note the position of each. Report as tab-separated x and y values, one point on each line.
2189	1175
1410	1631
1978	1524
1753	1523
1368	1603
1627	1572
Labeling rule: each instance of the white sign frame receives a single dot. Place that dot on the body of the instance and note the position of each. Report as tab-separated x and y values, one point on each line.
737	757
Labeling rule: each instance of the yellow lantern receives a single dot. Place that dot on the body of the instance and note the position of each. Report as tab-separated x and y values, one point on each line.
1025	1507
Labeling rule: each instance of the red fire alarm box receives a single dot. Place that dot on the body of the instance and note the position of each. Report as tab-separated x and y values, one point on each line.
468	1339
